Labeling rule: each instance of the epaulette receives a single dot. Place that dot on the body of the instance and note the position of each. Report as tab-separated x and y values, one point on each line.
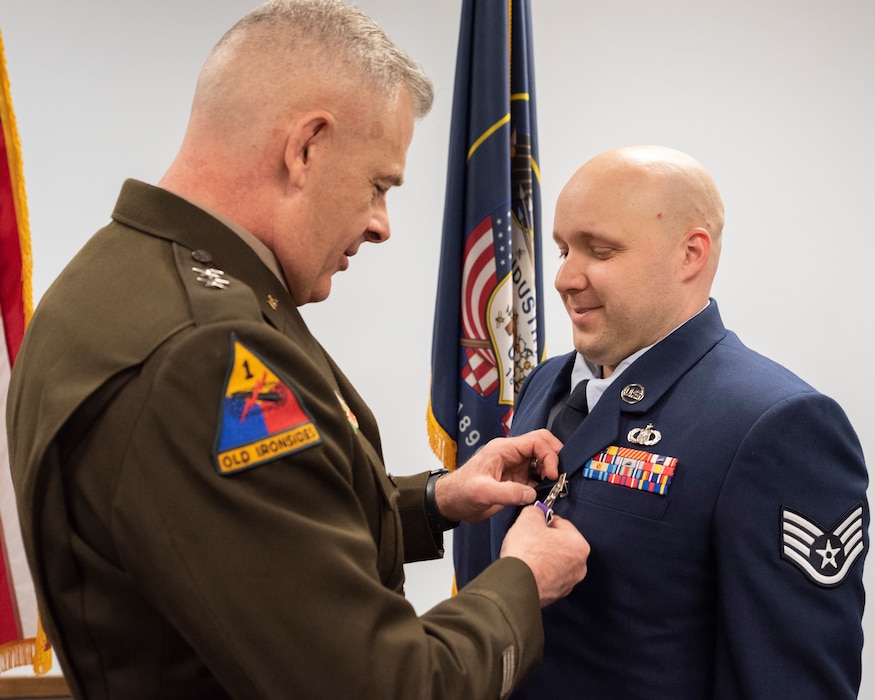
212	294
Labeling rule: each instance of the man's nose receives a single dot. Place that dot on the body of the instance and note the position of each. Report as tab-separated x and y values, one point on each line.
379	229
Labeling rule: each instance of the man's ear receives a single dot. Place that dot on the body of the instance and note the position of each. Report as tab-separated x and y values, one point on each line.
697	252
305	141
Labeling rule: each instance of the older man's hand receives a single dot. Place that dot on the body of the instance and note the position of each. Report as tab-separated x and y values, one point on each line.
502	473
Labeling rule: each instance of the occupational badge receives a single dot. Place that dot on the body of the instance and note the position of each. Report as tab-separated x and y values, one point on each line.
644	436
824	556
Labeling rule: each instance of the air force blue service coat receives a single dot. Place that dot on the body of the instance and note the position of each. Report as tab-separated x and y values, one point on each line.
725	503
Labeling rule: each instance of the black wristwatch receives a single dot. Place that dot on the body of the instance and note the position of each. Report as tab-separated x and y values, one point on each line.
436	521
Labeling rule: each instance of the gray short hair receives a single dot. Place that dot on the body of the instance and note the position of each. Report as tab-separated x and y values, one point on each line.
340	35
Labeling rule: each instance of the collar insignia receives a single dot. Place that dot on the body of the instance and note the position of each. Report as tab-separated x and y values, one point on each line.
632	393
211	277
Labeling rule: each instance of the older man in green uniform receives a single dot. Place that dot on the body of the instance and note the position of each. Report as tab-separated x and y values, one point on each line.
202	493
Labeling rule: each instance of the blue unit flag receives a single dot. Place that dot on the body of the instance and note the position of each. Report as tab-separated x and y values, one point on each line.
488	327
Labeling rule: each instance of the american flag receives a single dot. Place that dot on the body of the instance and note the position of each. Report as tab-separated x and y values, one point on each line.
21	636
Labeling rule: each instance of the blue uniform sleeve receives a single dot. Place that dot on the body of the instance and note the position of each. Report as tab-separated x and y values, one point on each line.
790	536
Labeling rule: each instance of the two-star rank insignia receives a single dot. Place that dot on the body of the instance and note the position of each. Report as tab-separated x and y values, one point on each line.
824	556
262	417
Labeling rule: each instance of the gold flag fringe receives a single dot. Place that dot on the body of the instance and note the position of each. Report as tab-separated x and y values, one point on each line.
33	650
23	652
16	174
42	651
16	653
440	442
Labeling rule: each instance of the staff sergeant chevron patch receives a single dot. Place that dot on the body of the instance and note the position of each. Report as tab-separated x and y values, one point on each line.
823	556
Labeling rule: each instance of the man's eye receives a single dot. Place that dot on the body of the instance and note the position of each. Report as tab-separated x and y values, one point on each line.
602	253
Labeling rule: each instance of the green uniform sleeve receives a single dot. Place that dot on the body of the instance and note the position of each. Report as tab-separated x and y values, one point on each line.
284	577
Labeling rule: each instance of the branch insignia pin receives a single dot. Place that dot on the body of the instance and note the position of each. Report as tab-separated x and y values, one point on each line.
632	393
211	277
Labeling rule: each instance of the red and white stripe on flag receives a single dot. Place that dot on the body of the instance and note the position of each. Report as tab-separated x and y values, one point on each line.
17	599
19	620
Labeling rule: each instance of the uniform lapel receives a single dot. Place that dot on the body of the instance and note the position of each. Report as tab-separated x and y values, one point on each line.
642	386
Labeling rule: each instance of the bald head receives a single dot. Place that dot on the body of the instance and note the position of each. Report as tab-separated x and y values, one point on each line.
661	185
639	229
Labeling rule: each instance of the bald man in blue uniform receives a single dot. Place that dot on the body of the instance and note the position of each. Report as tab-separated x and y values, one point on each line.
723	497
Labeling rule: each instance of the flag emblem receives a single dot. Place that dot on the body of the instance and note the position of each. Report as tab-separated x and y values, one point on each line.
499	336
262	418
824	556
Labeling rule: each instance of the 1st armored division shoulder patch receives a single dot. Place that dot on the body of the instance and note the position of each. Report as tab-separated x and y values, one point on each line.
261	418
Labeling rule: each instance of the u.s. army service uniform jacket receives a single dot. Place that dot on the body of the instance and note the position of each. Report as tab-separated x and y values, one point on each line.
202	493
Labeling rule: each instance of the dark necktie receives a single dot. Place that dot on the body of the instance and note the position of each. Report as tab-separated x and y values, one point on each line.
572	413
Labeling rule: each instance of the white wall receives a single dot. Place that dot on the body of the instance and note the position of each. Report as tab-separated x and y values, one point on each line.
775	98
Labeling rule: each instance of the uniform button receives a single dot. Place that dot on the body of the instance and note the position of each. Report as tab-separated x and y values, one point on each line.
202	256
